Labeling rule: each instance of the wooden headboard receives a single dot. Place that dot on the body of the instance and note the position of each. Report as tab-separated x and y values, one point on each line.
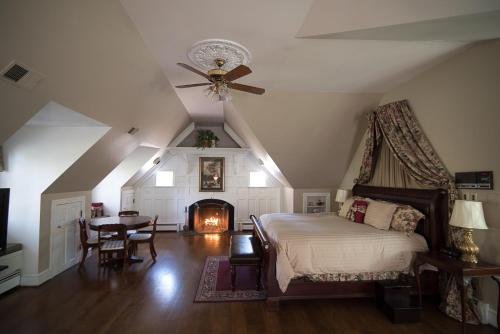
433	203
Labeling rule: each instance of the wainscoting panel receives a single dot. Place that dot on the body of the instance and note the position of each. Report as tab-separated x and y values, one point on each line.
170	203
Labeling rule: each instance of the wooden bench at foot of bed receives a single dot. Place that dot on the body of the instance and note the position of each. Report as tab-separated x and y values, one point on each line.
245	250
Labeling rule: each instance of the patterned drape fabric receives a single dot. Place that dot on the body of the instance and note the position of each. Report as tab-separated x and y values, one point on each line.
370	155
390	173
395	126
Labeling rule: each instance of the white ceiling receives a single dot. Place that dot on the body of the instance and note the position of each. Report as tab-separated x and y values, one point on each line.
283	62
55	114
464	28
341	16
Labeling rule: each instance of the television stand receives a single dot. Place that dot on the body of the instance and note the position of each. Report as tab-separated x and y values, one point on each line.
11	262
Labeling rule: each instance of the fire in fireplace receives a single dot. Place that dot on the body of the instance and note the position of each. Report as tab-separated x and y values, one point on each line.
211	216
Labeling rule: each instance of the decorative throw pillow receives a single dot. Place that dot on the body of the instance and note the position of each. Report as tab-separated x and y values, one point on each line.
346	206
379	214
405	219
358	210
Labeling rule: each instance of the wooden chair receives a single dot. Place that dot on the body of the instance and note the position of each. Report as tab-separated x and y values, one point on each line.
129	213
142	238
85	241
117	244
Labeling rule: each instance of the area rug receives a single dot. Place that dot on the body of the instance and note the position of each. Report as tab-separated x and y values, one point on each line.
215	283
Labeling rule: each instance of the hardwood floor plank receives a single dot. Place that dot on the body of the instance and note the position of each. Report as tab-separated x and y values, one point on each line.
158	298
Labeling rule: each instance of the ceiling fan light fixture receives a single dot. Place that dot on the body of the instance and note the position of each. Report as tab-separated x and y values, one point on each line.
218	92
225	62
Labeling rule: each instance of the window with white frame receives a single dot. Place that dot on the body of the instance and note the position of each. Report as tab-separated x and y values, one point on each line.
257	179
165	178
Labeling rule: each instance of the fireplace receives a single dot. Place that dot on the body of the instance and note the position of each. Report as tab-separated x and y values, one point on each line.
211	216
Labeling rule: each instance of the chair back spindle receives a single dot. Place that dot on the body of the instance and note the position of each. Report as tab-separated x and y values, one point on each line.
83	231
153	232
129	213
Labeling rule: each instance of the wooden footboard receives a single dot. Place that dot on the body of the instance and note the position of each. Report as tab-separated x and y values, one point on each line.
269	264
304	289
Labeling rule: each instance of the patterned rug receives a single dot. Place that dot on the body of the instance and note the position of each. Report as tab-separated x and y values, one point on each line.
215	283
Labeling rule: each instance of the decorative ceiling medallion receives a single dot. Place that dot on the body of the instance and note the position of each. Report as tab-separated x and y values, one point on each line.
204	53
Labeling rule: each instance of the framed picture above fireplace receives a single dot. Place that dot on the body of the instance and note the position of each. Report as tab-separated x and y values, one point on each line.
211	174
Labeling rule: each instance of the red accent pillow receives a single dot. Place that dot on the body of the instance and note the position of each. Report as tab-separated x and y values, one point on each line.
358	211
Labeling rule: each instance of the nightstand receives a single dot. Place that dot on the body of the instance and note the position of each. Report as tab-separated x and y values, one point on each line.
457	269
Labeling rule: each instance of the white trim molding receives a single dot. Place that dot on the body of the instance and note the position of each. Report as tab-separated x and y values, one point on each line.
492	317
183	135
234	136
36	279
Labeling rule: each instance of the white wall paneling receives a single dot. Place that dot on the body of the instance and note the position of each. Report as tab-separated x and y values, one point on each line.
171	203
65	233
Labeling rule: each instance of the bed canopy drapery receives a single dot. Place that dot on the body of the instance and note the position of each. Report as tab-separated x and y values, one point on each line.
398	155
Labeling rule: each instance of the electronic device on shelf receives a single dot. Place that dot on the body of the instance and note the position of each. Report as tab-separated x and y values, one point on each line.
474	180
450	251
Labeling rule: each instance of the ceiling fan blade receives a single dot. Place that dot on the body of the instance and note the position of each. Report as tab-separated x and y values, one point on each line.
237	72
194	85
192	69
245	88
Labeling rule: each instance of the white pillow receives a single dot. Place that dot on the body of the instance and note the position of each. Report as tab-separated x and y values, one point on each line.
379	214
346	206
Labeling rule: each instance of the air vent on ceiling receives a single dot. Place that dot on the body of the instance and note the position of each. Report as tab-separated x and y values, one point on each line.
15	73
156	161
21	75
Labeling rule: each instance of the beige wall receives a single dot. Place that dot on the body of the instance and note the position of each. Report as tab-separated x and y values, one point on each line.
457	104
298	198
352	172
310	136
45	218
287	200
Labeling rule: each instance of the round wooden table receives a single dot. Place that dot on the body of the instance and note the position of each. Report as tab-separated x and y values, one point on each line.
131	222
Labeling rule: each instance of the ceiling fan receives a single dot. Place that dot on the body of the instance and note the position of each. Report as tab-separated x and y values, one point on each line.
220	80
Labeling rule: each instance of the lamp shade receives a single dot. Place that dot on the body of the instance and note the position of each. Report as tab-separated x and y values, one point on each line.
468	214
341	196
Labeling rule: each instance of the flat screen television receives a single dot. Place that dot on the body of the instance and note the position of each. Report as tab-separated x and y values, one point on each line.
4	217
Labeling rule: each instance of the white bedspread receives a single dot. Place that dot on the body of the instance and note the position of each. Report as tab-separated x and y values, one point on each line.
309	244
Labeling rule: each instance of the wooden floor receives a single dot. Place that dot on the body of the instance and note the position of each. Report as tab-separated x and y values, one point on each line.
158	298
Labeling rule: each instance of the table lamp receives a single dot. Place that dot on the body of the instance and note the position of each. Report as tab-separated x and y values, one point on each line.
468	215
341	196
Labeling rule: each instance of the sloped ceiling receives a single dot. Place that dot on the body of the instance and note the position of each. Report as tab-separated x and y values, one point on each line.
108	61
318	83
280	61
403	20
95	63
54	114
310	136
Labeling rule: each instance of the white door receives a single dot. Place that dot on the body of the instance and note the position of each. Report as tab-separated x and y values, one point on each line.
128	200
65	236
